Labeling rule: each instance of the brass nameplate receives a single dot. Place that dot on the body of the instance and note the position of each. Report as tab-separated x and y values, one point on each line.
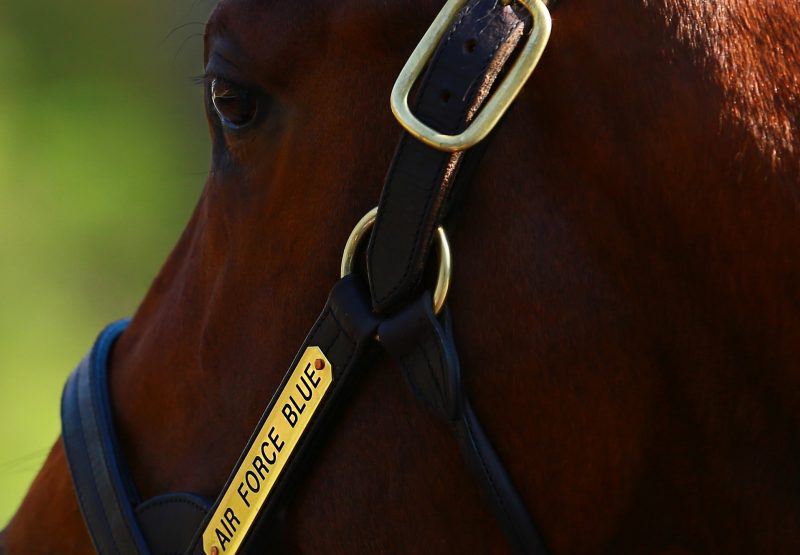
267	457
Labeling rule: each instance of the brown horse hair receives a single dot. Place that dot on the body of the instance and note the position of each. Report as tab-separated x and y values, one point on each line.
752	51
625	289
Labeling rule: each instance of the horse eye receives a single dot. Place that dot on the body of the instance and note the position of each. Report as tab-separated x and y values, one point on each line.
235	105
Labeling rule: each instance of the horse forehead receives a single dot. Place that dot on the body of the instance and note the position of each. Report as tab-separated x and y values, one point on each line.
281	25
266	24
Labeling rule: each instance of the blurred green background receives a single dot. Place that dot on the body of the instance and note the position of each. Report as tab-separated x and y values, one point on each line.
103	151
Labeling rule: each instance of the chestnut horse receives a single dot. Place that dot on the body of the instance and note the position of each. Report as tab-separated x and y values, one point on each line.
626	291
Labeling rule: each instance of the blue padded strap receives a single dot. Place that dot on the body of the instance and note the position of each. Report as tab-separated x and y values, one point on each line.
104	489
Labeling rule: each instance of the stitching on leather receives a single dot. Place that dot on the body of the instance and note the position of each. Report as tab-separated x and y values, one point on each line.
415	243
379	225
67	450
105	517
147	505
321	320
93	407
79	491
440	377
488	475
346	363
342	330
353	344
444	376
432	190
102	428
470	434
464	13
81	497
349	358
443	403
486	62
432	372
335	337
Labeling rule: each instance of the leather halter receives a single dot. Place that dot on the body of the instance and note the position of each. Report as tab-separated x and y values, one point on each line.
117	520
422	187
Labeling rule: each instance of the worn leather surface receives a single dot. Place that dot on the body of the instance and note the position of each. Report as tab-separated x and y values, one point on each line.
425	350
422	181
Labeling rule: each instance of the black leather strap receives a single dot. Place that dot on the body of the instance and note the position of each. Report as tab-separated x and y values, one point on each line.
420	189
426	352
422	181
344	330
169	521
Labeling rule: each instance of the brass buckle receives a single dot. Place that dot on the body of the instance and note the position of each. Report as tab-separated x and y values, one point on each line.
497	104
445	262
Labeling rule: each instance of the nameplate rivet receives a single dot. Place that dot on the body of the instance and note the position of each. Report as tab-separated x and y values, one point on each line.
319	364
214	551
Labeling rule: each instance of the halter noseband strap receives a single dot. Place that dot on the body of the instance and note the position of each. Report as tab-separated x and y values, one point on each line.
118	522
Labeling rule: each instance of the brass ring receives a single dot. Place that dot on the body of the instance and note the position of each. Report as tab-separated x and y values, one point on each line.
443	248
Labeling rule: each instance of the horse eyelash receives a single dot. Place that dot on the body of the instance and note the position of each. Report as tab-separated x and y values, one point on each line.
200	80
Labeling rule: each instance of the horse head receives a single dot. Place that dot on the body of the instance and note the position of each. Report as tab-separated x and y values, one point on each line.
624	292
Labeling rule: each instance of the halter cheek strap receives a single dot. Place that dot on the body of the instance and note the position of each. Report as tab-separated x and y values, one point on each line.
424	183
422	187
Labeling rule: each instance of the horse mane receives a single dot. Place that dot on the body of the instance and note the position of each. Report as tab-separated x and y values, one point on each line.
751	50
